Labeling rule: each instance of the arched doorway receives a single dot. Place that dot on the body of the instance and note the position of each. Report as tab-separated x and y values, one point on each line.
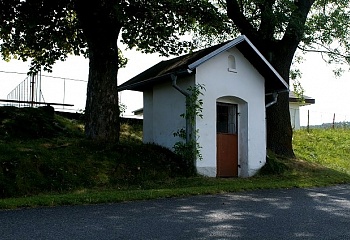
231	136
227	139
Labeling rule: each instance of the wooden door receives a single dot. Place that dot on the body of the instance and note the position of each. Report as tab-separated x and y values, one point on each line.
227	140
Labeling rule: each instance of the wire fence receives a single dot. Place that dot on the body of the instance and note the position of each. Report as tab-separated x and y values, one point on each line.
321	119
27	93
66	94
68	91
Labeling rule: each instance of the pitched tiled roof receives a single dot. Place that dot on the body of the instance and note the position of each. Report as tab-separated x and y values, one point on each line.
184	65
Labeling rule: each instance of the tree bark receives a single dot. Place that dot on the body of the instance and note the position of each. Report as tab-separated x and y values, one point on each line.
278	126
280	54
101	28
102	108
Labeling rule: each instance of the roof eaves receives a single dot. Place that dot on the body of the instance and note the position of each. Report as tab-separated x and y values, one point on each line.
180	66
266	62
138	85
293	98
305	100
216	52
231	44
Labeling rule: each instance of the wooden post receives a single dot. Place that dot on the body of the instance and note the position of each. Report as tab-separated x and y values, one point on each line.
333	121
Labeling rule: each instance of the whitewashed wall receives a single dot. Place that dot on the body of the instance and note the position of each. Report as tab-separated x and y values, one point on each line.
244	87
163	106
162	109
294	115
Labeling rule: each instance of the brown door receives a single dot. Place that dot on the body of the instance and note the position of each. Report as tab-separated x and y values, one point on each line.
227	140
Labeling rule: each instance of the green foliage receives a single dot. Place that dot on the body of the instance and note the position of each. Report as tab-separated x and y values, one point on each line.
93	28
48	166
328	147
122	108
131	131
52	156
298	91
189	148
57	27
298	173
42	31
273	166
122	60
34	123
327	31
194	103
325	28
189	152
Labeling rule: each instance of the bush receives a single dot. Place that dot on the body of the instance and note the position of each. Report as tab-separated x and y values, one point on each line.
42	152
85	165
34	123
273	166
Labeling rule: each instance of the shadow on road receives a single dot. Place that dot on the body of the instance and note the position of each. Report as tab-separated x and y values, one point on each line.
320	213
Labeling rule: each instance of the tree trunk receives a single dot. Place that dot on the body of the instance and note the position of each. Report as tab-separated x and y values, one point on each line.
278	126
280	54
100	25
102	109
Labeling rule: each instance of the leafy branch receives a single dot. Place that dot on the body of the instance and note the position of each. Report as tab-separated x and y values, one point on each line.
190	149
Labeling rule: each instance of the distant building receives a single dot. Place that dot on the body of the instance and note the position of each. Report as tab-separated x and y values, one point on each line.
294	108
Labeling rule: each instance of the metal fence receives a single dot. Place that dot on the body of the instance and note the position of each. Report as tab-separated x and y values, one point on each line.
318	119
27	93
65	94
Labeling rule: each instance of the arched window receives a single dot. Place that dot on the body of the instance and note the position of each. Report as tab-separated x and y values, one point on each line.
231	61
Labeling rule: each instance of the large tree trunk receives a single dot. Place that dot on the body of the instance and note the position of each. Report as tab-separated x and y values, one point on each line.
102	109
280	54
101	28
278	126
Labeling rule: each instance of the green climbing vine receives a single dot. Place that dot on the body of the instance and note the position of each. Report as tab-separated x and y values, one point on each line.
188	147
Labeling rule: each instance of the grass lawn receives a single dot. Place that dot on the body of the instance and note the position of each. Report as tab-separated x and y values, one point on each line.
72	171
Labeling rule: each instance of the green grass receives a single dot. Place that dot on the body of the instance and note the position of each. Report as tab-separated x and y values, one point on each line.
180	187
327	147
58	167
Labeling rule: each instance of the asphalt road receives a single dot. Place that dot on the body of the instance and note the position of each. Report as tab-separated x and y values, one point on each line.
319	213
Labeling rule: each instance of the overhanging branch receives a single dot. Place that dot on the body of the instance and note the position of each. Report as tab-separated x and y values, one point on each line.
295	28
338	56
329	52
236	15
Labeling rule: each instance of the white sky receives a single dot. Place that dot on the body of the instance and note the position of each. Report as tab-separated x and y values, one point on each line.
332	94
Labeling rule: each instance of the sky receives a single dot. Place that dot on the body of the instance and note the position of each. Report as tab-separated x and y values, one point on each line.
332	94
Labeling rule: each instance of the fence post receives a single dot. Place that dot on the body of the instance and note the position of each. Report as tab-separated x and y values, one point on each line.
333	121
32	90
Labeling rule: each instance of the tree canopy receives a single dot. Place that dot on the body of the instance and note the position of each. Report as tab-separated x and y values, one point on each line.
45	31
278	28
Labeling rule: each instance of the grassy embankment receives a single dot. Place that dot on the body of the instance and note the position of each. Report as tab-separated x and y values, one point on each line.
45	161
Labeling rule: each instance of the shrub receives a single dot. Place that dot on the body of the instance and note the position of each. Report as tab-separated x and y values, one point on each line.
34	123
273	166
42	152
